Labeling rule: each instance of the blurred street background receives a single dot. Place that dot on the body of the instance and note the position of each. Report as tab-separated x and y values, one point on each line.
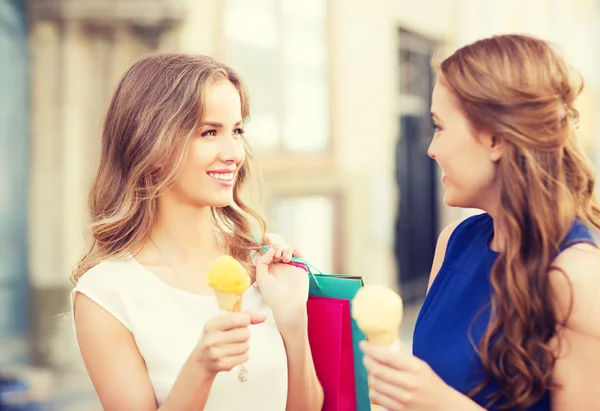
339	91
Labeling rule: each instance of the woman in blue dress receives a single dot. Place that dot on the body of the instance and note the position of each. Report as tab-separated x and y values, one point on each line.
511	320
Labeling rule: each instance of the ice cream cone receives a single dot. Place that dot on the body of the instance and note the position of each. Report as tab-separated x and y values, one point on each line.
377	311
229	301
382	338
229	280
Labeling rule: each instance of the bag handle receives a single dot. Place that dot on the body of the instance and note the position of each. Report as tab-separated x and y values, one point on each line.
309	267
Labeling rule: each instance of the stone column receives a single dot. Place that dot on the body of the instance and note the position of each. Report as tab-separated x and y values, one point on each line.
79	49
47	183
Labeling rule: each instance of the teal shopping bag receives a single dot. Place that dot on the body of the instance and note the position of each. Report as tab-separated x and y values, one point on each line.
344	287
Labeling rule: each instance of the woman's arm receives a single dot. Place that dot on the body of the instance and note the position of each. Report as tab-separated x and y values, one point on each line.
304	389
577	370
400	381
118	370
285	289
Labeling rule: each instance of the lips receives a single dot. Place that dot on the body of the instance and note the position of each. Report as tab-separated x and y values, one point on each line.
225	177
222	176
444	177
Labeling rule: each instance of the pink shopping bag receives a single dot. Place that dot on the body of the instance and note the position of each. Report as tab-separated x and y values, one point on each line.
330	337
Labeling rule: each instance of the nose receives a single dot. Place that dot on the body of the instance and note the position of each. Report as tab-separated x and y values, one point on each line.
431	149
232	149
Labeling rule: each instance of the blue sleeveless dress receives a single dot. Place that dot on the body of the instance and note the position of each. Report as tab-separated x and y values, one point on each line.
460	290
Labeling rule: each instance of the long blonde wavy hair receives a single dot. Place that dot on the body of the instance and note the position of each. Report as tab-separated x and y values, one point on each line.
520	88
153	116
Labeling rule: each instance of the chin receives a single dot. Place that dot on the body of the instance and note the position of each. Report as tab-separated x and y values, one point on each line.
221	202
213	201
461	202
452	201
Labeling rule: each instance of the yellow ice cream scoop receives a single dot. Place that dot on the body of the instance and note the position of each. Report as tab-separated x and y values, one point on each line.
230	280
377	311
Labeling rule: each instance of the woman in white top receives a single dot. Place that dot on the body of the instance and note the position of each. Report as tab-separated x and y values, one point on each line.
164	204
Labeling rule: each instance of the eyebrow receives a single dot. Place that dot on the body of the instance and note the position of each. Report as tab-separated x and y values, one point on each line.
219	125
436	118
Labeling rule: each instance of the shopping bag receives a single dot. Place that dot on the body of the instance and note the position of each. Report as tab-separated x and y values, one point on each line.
345	287
330	337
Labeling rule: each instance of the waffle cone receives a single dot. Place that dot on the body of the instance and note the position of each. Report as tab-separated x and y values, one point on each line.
229	301
382	338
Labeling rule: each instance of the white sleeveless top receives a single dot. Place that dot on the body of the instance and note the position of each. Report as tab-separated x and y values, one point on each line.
167	324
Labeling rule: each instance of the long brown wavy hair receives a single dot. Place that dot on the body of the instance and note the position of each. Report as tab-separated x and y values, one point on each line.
520	89
154	115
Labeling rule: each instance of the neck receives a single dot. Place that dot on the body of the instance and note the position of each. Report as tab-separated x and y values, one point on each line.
489	202
184	232
497	242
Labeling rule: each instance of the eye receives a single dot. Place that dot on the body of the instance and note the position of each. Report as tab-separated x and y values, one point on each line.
436	128
239	131
208	133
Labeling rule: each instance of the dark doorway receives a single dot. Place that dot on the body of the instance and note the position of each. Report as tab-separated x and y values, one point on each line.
416	174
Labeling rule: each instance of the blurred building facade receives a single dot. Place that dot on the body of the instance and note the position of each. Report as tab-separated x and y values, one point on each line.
14	166
340	100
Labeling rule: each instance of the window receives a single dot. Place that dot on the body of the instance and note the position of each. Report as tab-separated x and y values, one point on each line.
309	223
415	81
279	47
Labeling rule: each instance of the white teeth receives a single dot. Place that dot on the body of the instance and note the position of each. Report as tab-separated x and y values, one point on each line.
222	176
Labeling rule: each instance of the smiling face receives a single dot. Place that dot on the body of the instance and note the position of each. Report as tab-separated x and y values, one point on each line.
216	153
467	157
